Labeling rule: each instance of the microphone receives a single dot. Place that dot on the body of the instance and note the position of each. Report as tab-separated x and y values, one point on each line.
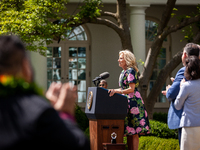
103	75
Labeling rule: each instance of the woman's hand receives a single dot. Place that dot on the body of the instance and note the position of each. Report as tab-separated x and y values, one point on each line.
111	92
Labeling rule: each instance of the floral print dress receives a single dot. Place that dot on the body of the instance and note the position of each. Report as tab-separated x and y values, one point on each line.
136	121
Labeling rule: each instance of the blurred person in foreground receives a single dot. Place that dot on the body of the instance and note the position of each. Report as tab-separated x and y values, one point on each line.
27	119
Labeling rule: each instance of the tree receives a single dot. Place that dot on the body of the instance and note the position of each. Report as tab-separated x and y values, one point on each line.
38	22
47	24
33	20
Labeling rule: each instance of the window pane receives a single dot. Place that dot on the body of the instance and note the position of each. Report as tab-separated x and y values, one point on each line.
49	62
56	74
57	52
162	98
49	51
82	86
151	85
73	52
81	74
71	35
81	52
81	96
70	74
80	37
77	33
56	62
162	53
82	63
83	33
72	63
49	74
150	30
48	84
73	74
77	30
162	63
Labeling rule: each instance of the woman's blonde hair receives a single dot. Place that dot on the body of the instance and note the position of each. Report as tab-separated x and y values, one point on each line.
130	59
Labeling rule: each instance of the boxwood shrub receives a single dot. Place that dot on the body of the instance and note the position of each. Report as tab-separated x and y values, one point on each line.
156	143
160	129
81	118
162	117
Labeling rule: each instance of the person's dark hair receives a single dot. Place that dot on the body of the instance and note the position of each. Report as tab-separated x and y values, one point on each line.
12	53
192	68
192	49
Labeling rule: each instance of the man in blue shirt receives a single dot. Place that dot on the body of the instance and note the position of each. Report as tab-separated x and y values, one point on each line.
172	91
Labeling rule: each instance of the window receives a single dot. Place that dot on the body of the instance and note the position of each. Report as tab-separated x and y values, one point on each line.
68	61
53	65
163	57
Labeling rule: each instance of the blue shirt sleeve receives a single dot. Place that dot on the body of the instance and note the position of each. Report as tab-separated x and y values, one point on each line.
175	87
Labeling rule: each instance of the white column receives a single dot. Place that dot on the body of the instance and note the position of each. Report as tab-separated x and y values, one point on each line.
137	29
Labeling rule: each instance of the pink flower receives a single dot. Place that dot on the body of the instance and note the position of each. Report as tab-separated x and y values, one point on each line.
131	77
137	94
130	95
147	127
145	113
130	130
138	130
142	122
135	110
124	81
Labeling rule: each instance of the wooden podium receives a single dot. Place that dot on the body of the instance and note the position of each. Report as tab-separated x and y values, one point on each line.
106	115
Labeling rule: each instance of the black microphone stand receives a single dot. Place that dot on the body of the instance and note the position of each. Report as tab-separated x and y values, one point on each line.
96	84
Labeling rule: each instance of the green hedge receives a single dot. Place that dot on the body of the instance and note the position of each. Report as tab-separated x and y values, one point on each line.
160	129
87	132
81	118
162	117
156	143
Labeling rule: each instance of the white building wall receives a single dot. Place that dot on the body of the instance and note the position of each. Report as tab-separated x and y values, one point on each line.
105	49
39	63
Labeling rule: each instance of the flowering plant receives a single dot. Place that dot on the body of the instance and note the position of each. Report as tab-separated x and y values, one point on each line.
10	86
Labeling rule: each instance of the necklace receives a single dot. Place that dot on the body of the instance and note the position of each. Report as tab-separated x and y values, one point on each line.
10	86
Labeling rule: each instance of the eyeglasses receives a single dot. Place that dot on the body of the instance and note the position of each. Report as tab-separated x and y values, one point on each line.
101	84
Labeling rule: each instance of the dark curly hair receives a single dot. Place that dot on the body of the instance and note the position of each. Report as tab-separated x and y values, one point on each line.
192	70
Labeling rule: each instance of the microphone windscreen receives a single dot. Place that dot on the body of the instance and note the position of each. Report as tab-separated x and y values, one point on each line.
104	75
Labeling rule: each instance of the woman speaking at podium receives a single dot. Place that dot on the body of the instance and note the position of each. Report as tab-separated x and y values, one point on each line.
136	121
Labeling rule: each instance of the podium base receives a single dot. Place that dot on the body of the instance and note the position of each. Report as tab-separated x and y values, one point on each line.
101	130
110	146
